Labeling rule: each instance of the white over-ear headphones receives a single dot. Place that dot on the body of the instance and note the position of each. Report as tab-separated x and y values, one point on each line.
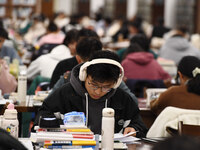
83	72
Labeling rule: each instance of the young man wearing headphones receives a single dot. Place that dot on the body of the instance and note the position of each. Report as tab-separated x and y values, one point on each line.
85	48
92	87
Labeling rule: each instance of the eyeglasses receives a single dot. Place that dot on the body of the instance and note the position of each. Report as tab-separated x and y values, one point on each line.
95	87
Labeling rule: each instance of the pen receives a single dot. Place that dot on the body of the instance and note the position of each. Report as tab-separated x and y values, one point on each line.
130	133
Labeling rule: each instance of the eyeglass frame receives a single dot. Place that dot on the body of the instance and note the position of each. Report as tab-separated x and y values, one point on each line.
95	87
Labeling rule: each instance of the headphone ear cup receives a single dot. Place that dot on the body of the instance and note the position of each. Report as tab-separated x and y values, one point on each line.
82	71
118	82
83	75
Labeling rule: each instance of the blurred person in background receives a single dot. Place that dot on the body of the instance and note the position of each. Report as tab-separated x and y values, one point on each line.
45	64
177	46
7	50
187	94
53	36
139	63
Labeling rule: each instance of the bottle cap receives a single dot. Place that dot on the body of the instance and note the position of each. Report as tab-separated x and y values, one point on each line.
108	112
11	106
10	112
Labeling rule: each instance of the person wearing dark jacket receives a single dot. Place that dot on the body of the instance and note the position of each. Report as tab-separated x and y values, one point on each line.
92	87
68	64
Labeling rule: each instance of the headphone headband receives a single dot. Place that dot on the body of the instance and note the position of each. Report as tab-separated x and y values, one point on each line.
83	74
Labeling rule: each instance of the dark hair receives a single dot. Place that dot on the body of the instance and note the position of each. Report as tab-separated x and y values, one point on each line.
141	40
131	49
138	43
52	27
178	143
87	46
9	142
183	28
71	36
160	21
137	23
108	20
87	33
186	65
104	72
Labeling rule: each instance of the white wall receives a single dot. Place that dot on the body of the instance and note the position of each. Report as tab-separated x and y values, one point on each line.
95	5
170	13
62	5
131	8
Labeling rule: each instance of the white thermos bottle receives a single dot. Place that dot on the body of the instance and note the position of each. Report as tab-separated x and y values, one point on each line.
10	121
107	133
22	88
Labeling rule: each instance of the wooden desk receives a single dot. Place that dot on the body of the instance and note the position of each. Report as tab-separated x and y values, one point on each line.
23	107
147	116
141	146
27	106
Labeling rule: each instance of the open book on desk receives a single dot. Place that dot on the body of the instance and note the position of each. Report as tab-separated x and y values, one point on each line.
128	138
121	140
124	138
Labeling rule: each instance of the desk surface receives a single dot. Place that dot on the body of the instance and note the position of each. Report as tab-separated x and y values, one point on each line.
141	146
146	114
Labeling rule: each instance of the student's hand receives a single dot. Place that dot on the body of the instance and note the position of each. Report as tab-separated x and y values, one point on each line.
129	129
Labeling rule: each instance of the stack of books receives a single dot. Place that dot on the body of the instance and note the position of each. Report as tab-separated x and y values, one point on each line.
64	138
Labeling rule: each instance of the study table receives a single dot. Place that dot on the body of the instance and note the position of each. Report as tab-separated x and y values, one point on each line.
32	106
146	114
140	146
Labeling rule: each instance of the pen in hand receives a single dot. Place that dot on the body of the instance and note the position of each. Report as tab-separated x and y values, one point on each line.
130	133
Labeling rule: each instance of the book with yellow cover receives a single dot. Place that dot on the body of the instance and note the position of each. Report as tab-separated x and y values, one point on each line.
79	130
88	142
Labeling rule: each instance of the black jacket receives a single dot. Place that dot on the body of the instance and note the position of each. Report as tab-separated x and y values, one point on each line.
61	68
72	97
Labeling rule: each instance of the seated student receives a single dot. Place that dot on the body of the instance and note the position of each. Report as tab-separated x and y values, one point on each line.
92	87
7	50
69	63
142	41
53	35
83	55
177	46
138	63
45	64
187	94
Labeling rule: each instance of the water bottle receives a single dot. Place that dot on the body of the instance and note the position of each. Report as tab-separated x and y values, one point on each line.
10	121
22	88
107	133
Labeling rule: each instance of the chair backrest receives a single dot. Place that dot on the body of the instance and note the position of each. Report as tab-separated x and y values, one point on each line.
188	129
166	123
138	86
